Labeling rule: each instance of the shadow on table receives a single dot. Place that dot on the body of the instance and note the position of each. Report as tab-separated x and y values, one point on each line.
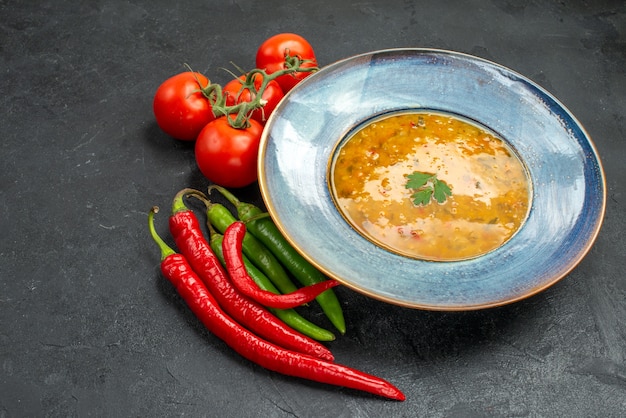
430	335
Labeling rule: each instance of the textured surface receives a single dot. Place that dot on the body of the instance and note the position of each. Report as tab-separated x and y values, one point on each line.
88	327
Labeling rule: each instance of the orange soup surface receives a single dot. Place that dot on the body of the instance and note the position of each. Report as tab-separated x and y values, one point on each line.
488	192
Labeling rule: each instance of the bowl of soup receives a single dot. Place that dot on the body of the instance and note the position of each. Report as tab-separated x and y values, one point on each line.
432	179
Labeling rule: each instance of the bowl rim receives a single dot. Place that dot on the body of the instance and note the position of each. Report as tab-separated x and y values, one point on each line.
271	205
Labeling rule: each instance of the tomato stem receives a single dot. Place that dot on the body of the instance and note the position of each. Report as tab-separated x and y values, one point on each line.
238	115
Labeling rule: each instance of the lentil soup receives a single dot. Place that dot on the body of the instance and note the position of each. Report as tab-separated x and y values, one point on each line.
473	192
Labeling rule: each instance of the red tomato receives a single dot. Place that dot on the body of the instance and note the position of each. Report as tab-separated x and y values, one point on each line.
271	57
236	93
228	156
181	111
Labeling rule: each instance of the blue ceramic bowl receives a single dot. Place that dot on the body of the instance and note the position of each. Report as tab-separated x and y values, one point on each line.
569	191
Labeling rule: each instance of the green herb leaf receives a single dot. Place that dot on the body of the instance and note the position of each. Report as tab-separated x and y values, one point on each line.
422	197
427	186
441	191
417	180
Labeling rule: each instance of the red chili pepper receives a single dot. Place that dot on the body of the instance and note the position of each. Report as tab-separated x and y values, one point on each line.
190	240
270	356
233	237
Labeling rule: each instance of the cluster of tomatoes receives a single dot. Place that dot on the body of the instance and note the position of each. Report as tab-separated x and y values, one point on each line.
227	122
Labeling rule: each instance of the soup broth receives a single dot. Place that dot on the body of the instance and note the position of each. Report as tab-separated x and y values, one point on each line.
486	201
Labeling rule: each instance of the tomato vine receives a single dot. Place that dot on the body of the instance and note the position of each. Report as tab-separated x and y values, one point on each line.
238	115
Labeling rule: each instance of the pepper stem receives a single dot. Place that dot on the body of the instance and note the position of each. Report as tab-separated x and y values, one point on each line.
166	251
245	211
178	203
224	192
207	203
198	195
263	215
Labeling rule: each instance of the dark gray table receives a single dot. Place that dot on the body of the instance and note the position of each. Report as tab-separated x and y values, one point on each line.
88	326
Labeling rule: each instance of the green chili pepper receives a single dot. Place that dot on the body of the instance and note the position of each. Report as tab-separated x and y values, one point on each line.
263	228
288	316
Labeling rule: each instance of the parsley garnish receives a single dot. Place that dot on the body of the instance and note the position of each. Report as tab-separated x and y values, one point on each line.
426	186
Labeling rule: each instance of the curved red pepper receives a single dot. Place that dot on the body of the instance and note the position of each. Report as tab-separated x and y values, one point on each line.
233	237
190	240
191	288
193	291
